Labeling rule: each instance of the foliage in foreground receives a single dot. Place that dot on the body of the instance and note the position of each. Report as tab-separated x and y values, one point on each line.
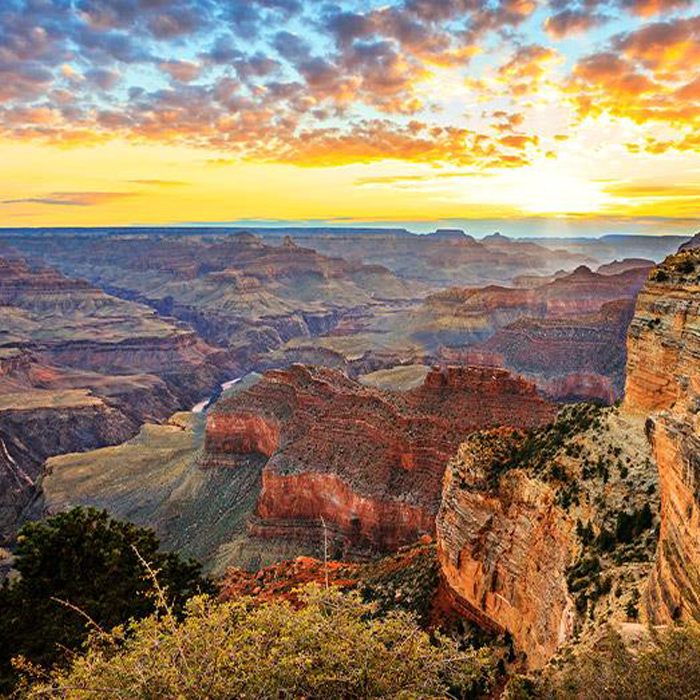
669	668
85	559
331	647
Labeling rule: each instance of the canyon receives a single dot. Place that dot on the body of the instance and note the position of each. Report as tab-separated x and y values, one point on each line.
235	291
270	300
422	415
300	456
80	369
536	530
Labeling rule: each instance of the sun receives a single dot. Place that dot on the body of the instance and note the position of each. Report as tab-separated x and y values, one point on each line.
547	190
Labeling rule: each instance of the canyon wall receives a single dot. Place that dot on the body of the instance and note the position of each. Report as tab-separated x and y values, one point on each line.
549	534
663	382
504	548
80	369
71	422
367	462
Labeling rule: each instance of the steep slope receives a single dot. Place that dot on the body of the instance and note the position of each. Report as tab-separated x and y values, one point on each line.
156	480
37	424
577	358
550	534
663	382
71	323
461	316
80	369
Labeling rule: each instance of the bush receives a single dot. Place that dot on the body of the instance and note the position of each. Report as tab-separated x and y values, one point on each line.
331	647
669	668
85	559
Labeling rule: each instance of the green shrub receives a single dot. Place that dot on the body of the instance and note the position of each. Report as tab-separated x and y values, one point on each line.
331	647
669	668
79	566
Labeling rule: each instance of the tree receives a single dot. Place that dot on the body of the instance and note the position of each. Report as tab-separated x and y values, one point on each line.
77	565
332	646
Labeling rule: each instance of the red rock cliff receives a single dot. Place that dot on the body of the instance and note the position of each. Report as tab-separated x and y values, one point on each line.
368	462
663	382
503	548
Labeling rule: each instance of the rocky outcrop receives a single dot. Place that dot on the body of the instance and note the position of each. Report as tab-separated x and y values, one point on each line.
577	358
663	382
368	463
536	530
694	242
617	266
466	316
504	549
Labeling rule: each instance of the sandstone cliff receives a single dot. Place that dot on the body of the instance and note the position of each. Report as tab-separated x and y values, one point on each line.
367	462
536	530
663	382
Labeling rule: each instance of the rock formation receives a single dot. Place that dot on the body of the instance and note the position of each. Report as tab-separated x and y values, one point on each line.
504	549
234	290
367	462
617	266
663	382
443	258
80	369
461	316
535	530
694	242
570	359
70	323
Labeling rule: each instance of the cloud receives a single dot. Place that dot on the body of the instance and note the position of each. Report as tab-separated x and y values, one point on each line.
570	22
282	80
72	199
647	8
405	179
160	183
182	71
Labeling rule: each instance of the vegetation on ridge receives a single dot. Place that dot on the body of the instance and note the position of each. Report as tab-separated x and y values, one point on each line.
332	646
668	667
79	569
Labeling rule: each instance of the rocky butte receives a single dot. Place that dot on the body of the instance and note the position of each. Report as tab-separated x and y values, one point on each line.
368	463
663	382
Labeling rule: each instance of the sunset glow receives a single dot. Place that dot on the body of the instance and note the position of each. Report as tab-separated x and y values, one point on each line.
183	111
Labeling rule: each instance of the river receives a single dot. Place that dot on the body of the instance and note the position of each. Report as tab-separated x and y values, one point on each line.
202	406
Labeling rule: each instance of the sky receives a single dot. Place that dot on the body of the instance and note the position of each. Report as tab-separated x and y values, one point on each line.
550	116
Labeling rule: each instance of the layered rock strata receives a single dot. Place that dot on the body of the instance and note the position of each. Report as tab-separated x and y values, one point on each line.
577	358
504	549
663	382
80	369
549	533
368	463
